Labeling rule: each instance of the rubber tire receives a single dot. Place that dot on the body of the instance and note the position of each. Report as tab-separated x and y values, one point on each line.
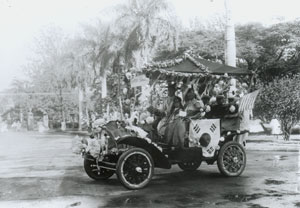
220	161
183	166
88	169
123	159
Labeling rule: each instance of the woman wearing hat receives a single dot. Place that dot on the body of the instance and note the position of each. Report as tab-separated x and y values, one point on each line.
192	106
170	118
176	130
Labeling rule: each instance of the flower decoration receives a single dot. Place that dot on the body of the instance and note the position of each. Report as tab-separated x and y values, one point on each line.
207	108
127	101
78	145
125	90
150	120
232	108
161	66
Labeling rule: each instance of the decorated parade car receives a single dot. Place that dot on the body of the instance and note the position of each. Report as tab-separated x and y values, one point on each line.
133	157
133	151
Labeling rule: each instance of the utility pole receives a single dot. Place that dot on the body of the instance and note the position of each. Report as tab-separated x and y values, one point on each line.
230	51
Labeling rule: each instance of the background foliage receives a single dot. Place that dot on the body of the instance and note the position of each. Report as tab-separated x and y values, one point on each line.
280	99
93	61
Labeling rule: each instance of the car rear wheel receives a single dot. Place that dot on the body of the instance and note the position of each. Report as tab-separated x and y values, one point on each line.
135	168
232	159
189	166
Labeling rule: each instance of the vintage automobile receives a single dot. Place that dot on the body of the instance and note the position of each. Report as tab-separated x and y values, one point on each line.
133	159
133	154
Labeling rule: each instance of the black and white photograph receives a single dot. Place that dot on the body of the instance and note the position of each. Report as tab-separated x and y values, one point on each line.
149	103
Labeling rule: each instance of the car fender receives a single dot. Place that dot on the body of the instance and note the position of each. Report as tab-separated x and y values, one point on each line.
87	156
160	160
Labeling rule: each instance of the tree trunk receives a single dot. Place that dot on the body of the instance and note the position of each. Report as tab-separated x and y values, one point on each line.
21	116
86	104
104	85
287	134
62	114
61	105
80	98
286	129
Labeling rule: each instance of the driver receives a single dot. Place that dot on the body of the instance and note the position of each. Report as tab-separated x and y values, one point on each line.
166	106
169	101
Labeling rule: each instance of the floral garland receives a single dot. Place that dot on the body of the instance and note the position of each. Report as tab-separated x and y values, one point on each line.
192	59
173	73
160	66
165	64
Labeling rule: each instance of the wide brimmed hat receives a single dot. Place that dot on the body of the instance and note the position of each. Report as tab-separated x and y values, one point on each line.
205	97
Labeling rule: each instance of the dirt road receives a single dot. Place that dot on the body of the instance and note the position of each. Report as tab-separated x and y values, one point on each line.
39	170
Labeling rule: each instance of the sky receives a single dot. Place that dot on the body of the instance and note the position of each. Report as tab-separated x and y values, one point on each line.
21	21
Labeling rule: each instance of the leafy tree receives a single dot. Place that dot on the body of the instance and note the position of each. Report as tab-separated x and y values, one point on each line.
17	98
270	51
280	50
102	47
248	38
50	73
280	99
207	39
204	39
128	41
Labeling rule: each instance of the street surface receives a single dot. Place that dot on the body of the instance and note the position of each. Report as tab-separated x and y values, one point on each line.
40	170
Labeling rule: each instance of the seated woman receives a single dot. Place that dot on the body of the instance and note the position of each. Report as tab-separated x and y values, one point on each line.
193	107
165	105
176	132
171	116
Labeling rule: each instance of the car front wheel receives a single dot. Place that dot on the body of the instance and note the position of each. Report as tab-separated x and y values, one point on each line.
135	168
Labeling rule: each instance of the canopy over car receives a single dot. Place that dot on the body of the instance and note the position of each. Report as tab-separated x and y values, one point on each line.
217	68
209	78
192	66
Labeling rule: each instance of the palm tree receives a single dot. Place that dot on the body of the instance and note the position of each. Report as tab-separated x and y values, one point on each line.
132	37
93	56
144	26
103	46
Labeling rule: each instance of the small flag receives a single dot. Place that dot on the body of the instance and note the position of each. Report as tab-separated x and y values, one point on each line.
247	101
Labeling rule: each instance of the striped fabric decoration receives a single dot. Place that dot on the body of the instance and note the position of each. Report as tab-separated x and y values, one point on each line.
247	101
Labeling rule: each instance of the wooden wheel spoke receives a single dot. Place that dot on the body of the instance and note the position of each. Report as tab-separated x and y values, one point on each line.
231	159
131	174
